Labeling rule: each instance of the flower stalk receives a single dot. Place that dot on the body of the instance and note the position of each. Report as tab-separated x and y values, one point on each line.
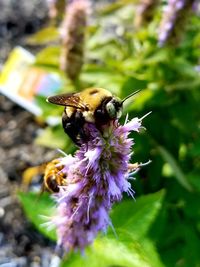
73	37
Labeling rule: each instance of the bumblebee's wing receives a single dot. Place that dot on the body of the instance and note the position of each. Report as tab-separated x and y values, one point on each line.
70	100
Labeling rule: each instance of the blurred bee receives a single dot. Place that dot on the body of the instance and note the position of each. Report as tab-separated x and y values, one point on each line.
95	105
53	177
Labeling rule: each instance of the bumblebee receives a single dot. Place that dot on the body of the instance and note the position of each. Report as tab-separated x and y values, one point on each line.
53	177
93	105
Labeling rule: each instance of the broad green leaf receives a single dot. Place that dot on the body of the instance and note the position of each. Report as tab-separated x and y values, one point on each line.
181	178
39	210
44	36
136	217
49	56
123	251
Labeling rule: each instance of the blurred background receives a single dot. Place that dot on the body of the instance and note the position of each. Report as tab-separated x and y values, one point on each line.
51	47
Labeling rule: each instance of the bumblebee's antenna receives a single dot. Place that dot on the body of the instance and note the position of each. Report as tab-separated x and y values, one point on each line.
134	93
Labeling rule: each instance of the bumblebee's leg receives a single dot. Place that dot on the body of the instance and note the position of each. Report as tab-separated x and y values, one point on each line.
73	127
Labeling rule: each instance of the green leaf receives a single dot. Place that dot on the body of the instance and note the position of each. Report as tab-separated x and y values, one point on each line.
161	55
141	99
123	251
181	178
112	7
44	36
101	77
132	84
39	210
53	138
49	56
136	217
48	109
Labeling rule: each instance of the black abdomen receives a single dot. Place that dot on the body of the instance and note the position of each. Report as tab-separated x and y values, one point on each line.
73	126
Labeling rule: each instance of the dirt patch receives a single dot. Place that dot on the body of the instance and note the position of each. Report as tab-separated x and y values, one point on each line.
20	243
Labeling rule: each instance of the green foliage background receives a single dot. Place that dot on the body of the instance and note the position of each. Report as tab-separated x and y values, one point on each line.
162	228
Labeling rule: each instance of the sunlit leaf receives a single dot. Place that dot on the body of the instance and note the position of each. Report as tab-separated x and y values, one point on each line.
49	56
131	221
44	36
122	251
137	216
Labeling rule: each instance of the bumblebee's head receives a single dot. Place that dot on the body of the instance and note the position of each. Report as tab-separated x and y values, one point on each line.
109	109
114	108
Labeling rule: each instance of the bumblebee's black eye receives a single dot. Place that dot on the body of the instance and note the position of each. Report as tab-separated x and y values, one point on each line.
114	108
111	110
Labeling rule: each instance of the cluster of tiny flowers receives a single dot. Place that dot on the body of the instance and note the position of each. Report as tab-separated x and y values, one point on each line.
96	177
174	18
145	12
72	34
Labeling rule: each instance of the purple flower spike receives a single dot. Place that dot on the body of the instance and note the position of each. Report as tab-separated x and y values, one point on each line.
72	33
174	19
96	177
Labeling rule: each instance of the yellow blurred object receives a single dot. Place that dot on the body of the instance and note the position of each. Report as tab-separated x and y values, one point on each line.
23	82
53	177
29	174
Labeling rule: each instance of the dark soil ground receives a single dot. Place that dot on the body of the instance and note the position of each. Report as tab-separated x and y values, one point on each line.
20	244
